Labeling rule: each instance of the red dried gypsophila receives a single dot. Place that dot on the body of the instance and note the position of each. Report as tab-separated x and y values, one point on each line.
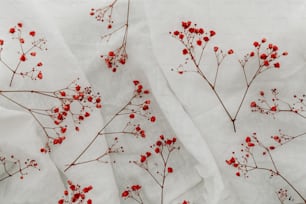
282	138
134	112
104	14
195	39
116	57
253	151
273	104
28	47
13	166
75	194
74	104
133	192
162	148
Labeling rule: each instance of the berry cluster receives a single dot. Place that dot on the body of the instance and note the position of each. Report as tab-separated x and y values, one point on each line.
133	192
162	148
137	109
28	45
74	102
75	194
13	166
249	161
195	39
271	105
116	57
104	14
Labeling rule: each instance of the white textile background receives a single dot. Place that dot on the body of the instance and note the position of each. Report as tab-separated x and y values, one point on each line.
184	105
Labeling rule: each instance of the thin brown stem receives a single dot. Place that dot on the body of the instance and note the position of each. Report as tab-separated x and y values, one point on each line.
97	135
282	177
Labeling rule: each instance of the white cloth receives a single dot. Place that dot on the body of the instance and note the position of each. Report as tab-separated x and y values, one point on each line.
184	105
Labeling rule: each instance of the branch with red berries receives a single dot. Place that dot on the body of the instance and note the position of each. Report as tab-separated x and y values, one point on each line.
13	166
162	150
117	57
75	194
138	106
28	50
195	40
71	106
273	104
253	150
133	192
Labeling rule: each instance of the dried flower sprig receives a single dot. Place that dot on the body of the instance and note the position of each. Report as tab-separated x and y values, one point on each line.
195	40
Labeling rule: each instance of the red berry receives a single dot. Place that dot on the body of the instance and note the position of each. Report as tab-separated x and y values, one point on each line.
191	30
230	51
250	144
277	65
158	143
170	170
273	108
111	54
157	150
32	33
12	30
39	75
266	63
185	51
143	158
136	82
23	58
253	104
63	93
271	147
247	139
212	33
256	44
153	119
125	194
263	56
98	100
199	42
136	187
